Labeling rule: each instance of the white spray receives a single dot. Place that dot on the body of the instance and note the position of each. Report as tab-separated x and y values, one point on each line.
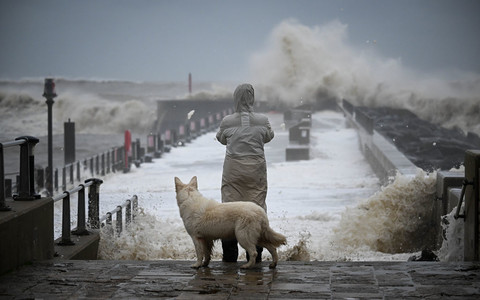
317	64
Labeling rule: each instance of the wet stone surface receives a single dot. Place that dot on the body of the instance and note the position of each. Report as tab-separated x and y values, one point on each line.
291	280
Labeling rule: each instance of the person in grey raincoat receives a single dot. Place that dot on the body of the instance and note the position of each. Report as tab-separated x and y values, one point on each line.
244	169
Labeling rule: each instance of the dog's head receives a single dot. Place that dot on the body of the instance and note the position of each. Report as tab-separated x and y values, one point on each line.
183	189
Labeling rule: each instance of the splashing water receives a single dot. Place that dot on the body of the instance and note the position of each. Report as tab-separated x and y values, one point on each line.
396	219
453	232
302	64
389	225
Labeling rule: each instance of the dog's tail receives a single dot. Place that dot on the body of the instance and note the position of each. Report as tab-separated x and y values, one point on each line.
274	238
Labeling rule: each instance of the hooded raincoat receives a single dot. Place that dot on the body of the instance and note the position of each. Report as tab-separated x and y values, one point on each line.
244	133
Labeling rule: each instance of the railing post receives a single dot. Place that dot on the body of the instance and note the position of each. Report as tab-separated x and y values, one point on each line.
3	206
66	237
471	236
94	203
91	167
97	164
119	223
64	178
108	162
114	159
128	213
56	179
78	171
103	164
81	226
109	223
135	207
26	186
71	174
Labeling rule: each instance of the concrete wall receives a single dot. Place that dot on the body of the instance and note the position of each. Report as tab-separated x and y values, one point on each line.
86	247
26	233
382	155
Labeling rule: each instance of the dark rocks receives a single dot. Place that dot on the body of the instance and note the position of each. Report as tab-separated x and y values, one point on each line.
428	146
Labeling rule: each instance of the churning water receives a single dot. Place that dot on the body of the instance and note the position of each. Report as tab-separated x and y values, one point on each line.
330	207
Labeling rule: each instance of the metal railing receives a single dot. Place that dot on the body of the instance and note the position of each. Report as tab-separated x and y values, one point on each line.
100	164
25	186
131	210
93	210
94	221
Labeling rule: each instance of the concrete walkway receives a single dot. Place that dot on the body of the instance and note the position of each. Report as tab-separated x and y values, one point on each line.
291	280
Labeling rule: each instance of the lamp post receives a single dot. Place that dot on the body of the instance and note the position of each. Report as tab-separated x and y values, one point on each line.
49	94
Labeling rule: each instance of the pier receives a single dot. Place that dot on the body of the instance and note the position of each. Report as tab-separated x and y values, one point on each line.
57	278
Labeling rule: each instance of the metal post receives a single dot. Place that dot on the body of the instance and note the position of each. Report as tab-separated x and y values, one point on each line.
66	237
97	165
94	203
103	164
69	142
139	150
91	167
78	171
81	226
128	213
472	206
71	174
135	207
64	178
49	94
3	206
119	223
108	162
56	179
109	224
26	186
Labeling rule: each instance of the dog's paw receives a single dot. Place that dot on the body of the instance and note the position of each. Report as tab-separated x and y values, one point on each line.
196	266
272	265
246	266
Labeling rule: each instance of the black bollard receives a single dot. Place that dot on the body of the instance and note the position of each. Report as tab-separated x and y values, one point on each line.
69	142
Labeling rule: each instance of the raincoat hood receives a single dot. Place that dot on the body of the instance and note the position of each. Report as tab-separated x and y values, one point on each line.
243	98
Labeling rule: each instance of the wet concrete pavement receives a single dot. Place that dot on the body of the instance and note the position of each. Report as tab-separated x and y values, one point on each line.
291	280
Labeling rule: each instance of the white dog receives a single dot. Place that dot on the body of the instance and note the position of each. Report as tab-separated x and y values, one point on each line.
207	220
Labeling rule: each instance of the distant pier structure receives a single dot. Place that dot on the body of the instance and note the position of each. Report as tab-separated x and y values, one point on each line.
173	114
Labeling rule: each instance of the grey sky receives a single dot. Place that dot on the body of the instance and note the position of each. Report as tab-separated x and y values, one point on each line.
165	40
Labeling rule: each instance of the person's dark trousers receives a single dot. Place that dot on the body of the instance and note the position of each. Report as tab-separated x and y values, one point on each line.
259	255
230	251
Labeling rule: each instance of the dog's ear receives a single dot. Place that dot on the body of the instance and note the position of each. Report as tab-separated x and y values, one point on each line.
193	182
178	184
